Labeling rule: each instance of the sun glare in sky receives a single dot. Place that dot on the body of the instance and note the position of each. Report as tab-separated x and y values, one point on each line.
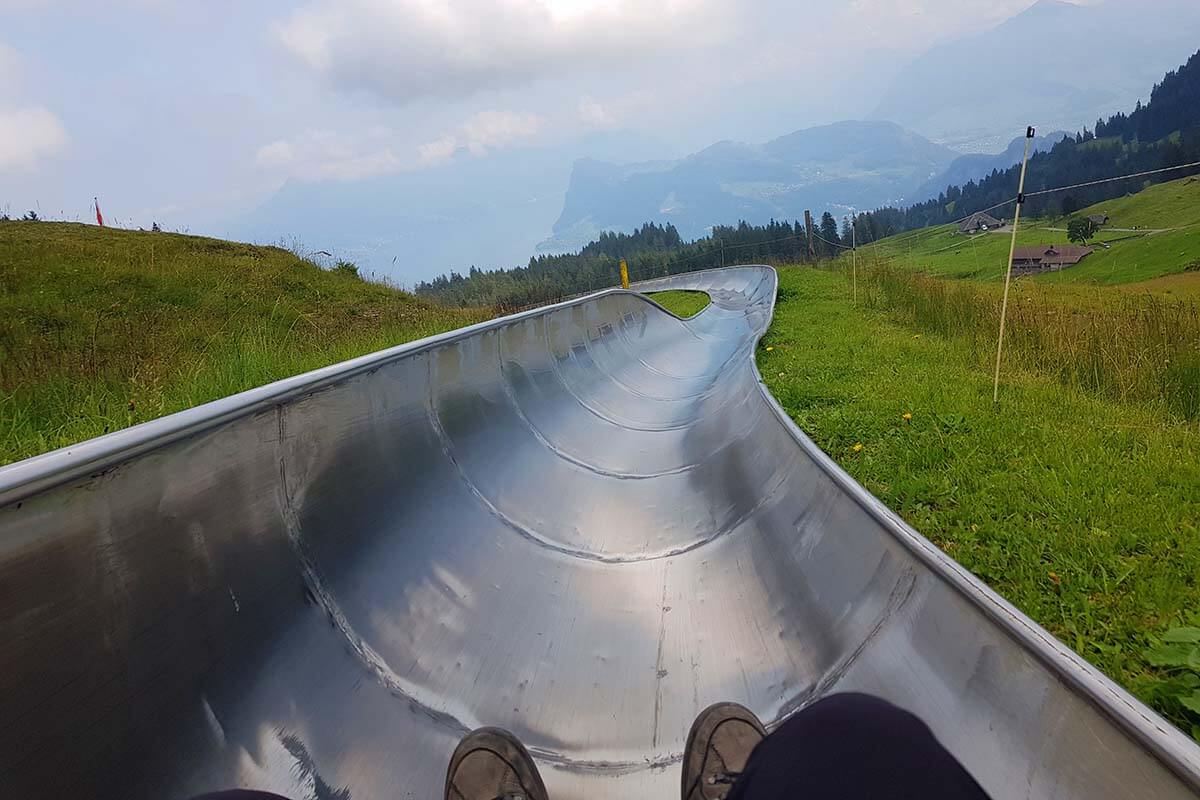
566	9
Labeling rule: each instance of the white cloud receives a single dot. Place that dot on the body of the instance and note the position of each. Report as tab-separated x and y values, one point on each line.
482	133
27	136
438	151
331	155
28	133
595	115
613	112
490	129
409	49
326	155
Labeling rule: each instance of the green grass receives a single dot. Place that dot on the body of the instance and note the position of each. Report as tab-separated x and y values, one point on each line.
1122	345
1131	256
1082	511
102	328
1123	324
1173	204
681	303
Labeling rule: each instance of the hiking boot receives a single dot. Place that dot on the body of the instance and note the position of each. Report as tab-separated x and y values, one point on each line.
718	747
490	764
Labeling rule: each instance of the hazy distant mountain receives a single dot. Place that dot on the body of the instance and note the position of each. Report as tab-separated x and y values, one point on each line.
428	221
1055	65
409	226
834	167
979	165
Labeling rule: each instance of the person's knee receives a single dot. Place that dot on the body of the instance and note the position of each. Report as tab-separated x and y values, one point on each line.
857	717
854	745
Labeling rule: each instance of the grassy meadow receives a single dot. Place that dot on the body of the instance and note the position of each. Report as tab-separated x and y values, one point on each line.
1124	323
1121	345
1166	241
681	303
103	328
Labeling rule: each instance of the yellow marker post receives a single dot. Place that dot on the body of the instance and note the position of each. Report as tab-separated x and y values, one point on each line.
624	274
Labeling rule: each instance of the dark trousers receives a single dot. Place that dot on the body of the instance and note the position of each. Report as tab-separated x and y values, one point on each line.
849	746
843	747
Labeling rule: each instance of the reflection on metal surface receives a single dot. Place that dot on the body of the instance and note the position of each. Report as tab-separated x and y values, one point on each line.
583	523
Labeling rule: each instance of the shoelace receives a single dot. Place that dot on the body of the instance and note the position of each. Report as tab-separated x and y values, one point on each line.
723	777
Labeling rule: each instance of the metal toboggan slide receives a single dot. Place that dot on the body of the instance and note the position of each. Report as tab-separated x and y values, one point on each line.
584	523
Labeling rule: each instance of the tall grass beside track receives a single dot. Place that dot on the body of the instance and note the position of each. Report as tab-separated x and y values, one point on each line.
1129	346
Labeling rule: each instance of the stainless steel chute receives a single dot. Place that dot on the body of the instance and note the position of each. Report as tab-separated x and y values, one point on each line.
584	523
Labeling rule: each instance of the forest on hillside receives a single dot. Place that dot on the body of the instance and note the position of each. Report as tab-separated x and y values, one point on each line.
1165	132
651	251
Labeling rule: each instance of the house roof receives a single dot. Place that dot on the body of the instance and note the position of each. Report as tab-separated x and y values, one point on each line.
1098	218
1052	254
978	219
982	217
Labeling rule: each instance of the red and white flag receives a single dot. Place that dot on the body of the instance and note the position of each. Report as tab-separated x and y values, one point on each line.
99	216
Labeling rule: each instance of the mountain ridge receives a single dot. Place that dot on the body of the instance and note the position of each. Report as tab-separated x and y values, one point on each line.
976	166
842	165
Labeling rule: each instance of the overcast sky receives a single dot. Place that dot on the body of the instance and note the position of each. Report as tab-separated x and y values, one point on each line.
193	112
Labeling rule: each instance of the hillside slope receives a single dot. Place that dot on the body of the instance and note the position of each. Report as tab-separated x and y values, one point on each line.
1152	233
102	328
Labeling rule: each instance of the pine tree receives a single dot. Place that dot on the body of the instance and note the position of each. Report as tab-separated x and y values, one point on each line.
829	233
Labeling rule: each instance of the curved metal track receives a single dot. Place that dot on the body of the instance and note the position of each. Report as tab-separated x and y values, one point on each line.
584	523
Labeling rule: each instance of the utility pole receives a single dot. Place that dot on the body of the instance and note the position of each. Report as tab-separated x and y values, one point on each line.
808	229
1012	249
